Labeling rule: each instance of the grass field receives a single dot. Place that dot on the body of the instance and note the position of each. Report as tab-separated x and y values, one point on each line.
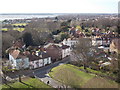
4	29
94	71
20	24
18	29
27	83
73	77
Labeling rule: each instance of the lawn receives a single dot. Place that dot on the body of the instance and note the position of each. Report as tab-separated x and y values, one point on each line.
75	78
94	71
27	83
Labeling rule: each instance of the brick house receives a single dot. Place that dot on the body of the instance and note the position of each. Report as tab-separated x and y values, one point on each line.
55	52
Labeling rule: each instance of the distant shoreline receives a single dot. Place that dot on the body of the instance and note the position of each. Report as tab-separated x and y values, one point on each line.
24	16
12	16
52	13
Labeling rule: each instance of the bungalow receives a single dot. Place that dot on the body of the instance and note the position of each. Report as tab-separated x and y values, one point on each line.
18	60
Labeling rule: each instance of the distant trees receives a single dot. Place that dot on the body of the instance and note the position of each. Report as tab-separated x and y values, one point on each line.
16	34
7	41
42	30
56	32
27	38
102	23
43	25
64	36
65	25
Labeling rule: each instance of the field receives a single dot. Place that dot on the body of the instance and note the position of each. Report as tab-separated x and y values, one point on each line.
16	28
27	83
20	24
71	76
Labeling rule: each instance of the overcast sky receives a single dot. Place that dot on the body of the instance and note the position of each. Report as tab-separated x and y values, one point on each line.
59	6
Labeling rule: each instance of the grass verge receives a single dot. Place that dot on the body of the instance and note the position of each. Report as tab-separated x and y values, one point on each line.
71	75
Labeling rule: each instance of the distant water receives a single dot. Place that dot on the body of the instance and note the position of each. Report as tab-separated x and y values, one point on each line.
24	16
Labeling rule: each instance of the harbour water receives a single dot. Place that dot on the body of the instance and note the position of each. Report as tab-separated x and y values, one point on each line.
24	16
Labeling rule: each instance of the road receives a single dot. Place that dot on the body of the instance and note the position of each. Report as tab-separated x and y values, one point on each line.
42	73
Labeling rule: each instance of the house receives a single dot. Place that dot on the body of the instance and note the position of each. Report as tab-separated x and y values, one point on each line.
70	42
105	64
34	61
79	34
115	45
46	58
18	60
97	42
72	31
18	44
54	51
100	41
38	61
65	51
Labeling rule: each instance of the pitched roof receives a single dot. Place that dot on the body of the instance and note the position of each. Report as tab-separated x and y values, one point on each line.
45	55
18	43
15	53
49	44
65	46
33	57
53	47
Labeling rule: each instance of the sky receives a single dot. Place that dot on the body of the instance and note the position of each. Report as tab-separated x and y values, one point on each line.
59	6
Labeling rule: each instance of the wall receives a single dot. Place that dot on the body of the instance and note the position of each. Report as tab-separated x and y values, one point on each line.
22	63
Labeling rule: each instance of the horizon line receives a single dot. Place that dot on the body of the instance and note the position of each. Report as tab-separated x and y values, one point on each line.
49	13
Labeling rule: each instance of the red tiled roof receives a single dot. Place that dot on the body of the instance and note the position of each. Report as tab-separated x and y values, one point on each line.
15	53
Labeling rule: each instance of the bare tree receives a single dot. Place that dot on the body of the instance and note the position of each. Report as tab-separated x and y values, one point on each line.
83	50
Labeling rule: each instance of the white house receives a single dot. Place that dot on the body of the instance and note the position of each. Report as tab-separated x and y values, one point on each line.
69	42
97	42
17	60
36	61
65	51
100	41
